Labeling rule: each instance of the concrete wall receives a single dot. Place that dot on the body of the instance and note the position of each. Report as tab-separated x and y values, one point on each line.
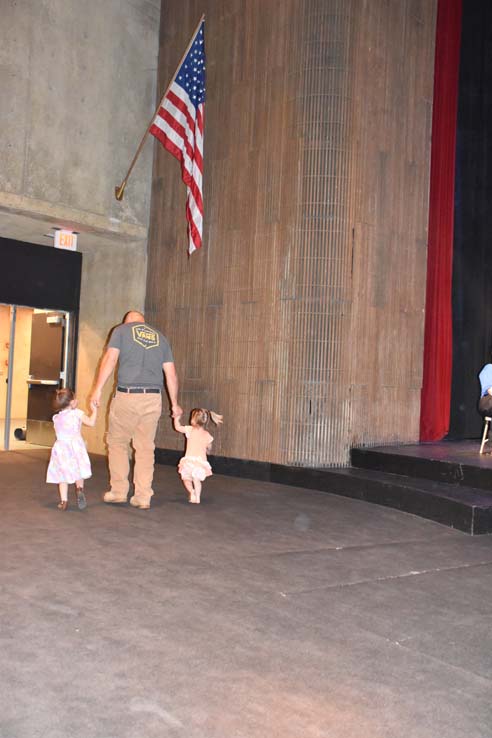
101	307
77	83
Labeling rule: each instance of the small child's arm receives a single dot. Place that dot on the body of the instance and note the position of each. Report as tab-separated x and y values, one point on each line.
90	419
177	425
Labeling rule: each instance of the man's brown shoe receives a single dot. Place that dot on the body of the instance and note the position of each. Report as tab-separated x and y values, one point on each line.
114	499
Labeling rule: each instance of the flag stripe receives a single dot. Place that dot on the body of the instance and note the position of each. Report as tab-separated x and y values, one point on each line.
190	171
181	121
181	103
167	120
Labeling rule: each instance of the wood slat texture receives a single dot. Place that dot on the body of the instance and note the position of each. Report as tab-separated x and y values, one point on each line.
394	60
301	319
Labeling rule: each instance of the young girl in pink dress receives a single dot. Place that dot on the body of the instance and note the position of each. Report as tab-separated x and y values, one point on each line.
193	467
69	461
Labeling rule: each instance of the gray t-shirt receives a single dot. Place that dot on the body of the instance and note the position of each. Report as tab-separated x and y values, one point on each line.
143	351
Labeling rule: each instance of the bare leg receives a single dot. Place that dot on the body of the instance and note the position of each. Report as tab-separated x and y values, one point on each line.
198	490
189	488
63	488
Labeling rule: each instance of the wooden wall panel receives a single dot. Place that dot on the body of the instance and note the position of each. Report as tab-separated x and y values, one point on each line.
301	319
391	165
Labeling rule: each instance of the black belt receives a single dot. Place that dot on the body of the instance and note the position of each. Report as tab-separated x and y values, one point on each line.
139	390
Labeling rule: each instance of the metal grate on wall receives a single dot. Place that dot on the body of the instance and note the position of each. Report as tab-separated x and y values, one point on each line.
316	303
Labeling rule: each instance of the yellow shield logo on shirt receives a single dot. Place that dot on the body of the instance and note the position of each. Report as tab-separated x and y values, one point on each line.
145	336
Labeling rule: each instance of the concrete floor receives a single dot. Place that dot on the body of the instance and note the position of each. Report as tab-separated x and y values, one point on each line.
267	611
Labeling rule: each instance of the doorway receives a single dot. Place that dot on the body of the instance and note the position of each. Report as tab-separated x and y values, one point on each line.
36	358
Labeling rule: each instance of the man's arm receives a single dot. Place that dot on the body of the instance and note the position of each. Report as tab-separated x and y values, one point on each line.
172	387
108	363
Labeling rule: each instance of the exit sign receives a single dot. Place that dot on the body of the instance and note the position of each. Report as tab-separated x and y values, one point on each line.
66	240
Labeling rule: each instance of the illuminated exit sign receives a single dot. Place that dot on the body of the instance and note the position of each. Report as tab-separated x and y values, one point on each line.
66	240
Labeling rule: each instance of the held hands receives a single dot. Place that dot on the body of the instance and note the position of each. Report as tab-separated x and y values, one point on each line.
176	412
92	417
177	425
95	398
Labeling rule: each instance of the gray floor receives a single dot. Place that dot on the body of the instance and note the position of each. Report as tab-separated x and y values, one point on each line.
266	611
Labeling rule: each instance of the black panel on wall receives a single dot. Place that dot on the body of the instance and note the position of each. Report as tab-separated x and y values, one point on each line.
39	276
472	265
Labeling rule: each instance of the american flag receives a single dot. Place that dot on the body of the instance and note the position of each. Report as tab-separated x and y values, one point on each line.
179	127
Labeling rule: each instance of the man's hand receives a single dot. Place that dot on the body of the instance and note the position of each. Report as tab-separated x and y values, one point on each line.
95	398
176	411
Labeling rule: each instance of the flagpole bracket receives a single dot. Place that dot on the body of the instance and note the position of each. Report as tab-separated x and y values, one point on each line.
119	191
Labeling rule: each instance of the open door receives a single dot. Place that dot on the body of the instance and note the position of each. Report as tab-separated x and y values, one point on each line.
47	372
40	359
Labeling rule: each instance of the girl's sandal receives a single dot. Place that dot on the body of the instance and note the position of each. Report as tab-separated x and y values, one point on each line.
63	504
81	501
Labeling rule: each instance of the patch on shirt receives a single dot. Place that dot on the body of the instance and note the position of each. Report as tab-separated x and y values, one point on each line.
145	336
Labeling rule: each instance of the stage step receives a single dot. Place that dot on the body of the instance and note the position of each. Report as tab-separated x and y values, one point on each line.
447	482
466	508
440	462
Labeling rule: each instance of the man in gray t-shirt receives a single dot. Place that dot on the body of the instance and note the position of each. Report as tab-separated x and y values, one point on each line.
143	354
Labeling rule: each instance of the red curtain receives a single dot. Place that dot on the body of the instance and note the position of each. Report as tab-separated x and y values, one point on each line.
438	339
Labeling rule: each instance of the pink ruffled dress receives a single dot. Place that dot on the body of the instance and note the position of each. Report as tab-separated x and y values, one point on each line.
69	459
194	464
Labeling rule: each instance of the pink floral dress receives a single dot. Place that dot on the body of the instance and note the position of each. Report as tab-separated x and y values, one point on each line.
69	459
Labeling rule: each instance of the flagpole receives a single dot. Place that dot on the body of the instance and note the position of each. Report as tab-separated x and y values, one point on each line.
119	191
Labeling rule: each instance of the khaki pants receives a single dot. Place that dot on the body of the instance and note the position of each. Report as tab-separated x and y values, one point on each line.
133	418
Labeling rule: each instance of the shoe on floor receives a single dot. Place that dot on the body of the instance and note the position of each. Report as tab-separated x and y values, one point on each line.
62	505
81	501
111	497
138	502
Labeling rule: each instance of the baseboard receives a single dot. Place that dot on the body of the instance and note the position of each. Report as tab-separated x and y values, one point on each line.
260	470
263	471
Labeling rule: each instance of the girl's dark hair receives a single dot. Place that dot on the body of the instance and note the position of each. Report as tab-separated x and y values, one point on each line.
63	398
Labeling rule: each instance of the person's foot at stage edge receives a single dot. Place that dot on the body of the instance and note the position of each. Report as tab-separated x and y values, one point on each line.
139	502
113	498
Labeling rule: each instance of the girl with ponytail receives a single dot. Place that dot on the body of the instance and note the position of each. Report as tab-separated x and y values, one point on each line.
194	467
